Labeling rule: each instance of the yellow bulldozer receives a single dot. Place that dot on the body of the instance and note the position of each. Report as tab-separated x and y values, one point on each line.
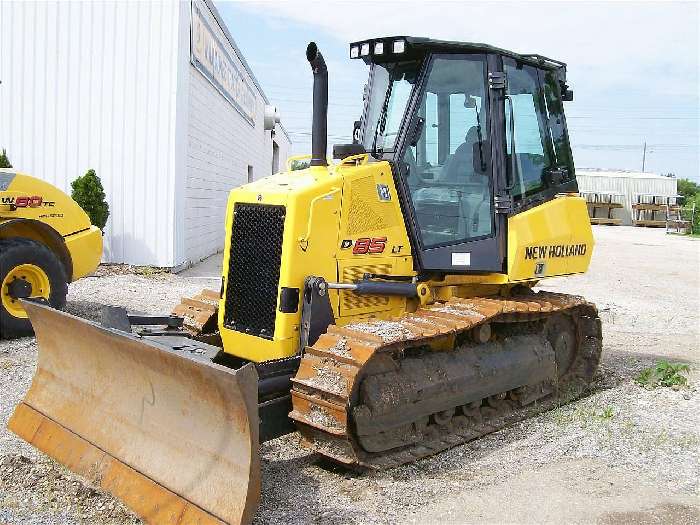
46	242
382	304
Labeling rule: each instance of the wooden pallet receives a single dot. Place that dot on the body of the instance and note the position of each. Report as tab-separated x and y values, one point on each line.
650	207
648	223
604	220
607	212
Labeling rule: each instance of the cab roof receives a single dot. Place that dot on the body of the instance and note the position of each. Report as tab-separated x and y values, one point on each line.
420	45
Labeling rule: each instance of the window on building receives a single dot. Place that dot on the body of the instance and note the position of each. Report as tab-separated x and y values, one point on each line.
275	157
250	173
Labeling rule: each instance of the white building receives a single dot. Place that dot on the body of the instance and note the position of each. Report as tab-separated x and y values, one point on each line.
626	187
156	97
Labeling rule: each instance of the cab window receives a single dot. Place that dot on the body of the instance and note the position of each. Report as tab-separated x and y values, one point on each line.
556	120
447	172
532	155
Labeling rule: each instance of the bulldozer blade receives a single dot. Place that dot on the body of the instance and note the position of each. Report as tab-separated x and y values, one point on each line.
173	436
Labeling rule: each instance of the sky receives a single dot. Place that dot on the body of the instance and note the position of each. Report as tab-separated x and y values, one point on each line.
634	66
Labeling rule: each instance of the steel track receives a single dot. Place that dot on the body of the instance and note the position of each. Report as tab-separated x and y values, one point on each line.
337	374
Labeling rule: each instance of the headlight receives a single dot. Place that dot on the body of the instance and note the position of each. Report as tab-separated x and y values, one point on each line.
379	48
399	46
364	51
354	52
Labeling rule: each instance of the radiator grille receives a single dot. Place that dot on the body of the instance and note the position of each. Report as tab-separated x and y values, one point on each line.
254	269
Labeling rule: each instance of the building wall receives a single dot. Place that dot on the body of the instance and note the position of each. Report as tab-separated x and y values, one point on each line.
221	145
110	86
628	184
91	85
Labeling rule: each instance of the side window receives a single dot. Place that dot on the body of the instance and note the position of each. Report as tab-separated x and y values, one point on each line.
400	94
426	151
447	172
556	120
532	156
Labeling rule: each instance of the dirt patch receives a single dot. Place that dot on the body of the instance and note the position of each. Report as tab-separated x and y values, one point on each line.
664	514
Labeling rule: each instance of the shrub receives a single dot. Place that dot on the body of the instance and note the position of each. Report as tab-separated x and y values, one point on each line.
663	374
4	161
692	214
300	164
90	195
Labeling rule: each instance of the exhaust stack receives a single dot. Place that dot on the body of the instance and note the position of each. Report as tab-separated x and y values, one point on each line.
319	125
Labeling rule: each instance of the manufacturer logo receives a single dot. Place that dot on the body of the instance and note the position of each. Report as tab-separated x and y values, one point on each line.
383	192
540	268
555	251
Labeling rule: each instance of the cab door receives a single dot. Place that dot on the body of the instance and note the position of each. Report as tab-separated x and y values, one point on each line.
537	153
447	177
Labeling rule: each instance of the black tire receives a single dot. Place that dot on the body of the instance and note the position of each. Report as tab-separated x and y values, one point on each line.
16	251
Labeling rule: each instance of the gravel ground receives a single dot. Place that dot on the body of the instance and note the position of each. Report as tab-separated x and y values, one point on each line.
621	455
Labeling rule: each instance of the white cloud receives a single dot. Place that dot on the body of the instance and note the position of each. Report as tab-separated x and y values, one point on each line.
614	38
634	66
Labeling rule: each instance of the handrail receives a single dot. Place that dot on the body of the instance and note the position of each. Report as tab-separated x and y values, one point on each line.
357	160
304	241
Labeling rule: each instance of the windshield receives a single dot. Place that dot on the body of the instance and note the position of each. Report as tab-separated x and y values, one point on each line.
390	88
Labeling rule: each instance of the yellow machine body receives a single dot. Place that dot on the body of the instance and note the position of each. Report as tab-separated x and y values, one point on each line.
33	209
328	210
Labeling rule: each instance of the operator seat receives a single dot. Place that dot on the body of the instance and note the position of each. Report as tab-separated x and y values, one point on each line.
460	165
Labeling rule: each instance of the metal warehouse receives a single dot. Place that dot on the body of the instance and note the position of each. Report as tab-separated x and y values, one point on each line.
628	188
155	97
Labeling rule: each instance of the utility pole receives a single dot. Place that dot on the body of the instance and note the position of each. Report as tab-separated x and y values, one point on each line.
644	157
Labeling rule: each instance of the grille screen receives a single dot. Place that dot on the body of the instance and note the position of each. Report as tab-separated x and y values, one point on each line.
254	269
366	212
353	301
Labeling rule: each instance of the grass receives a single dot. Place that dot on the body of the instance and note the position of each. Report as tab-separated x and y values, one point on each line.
607	413
582	415
664	374
149	271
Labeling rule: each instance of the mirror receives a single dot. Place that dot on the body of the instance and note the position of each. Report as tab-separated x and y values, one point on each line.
356	134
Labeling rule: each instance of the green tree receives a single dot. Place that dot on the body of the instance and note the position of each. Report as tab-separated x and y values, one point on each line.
693	215
90	195
687	188
4	161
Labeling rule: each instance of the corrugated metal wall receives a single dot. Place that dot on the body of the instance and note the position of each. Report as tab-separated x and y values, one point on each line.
629	185
110	86
92	85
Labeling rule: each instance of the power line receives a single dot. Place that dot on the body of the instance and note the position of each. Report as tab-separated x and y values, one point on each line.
633	118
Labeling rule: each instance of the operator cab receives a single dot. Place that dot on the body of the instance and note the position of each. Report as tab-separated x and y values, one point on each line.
474	134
